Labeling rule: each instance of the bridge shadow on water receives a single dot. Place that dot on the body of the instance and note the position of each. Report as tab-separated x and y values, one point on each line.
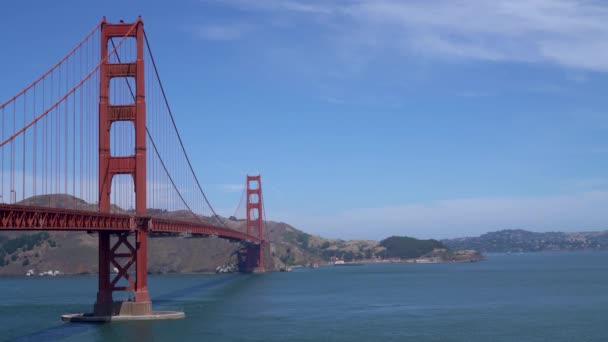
67	330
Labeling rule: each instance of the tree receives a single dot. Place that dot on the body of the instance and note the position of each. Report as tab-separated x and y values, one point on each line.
406	247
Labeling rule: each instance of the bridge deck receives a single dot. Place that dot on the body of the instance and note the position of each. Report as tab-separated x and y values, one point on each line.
24	218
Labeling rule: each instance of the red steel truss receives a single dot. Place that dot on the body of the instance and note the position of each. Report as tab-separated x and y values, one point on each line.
16	217
28	218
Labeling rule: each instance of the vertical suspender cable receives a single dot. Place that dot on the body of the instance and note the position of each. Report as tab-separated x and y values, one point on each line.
2	194
175	127
23	152
35	154
13	160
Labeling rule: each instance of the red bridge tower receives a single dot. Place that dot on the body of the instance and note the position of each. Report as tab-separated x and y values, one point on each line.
254	254
115	249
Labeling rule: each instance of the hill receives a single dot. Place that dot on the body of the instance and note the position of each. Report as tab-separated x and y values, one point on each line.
76	252
518	240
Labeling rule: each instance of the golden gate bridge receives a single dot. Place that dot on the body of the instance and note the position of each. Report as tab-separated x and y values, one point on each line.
92	145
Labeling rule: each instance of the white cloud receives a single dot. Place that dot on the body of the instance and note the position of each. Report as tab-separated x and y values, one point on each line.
464	217
278	5
570	33
222	32
231	187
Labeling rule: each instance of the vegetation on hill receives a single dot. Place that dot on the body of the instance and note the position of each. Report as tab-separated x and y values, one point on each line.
316	248
296	247
406	247
23	243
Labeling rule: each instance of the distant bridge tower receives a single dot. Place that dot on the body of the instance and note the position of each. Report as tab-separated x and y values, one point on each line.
119	252
254	254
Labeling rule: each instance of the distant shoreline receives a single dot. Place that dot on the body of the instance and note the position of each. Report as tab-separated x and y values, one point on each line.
523	241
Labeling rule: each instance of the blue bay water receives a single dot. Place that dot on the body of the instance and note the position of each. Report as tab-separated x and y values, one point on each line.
526	297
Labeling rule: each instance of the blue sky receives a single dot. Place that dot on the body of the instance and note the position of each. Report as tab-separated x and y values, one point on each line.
371	118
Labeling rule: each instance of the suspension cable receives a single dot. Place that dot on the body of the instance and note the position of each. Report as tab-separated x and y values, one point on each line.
170	178
240	202
155	148
54	66
36	119
162	89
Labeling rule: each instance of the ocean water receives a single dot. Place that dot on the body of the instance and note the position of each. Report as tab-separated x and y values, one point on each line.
524	297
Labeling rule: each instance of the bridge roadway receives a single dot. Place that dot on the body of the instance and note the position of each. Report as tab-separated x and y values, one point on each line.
26	218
